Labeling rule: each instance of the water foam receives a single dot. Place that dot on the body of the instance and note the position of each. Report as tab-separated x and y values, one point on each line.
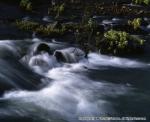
103	60
9	45
72	94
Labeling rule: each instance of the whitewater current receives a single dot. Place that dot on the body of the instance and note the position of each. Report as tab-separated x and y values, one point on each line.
73	90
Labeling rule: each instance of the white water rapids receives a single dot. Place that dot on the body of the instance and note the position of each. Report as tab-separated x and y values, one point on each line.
73	90
71	94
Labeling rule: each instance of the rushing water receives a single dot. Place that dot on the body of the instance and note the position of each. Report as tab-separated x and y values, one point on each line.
98	86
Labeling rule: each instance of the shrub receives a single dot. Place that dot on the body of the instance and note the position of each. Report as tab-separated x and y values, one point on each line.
26	25
120	42
26	5
58	9
46	30
136	23
92	24
145	2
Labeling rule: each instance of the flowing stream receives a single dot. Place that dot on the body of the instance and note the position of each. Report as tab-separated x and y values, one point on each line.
40	87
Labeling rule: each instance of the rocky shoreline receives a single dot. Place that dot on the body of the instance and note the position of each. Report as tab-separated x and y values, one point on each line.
77	22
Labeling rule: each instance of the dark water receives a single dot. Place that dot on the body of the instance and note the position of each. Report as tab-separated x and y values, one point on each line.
100	86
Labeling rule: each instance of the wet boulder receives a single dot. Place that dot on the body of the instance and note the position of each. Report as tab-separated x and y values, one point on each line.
69	55
114	23
43	47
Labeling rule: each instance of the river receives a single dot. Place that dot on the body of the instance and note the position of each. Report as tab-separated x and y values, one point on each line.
97	86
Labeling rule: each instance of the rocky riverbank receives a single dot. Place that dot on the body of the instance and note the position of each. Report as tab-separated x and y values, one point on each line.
79	22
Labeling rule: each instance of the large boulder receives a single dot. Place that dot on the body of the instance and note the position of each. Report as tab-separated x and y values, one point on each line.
69	55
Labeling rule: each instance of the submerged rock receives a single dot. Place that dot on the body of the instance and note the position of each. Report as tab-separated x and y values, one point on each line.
42	62
43	47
